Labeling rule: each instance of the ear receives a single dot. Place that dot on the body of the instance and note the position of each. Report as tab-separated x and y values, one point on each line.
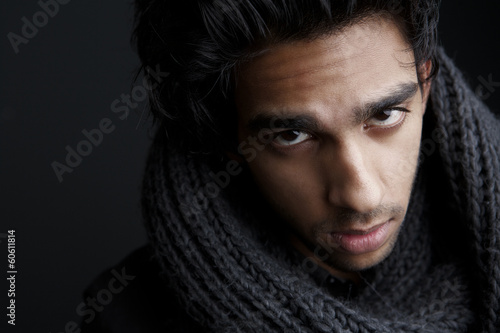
424	72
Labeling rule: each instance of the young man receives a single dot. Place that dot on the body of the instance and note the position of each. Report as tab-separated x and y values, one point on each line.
319	166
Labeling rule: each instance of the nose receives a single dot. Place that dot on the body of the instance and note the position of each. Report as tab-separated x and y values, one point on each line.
353	181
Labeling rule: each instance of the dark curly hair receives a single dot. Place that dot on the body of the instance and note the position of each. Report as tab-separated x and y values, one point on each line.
200	43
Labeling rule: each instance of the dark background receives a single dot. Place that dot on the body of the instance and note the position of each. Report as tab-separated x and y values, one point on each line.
64	81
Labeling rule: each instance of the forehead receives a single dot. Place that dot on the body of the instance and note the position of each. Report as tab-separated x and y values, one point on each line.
344	68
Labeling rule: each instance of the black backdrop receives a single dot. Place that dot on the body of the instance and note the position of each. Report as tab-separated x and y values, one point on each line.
63	80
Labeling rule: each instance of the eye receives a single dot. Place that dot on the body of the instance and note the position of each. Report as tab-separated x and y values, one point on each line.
387	118
290	137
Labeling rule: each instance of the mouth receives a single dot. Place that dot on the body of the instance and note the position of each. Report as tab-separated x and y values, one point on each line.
360	241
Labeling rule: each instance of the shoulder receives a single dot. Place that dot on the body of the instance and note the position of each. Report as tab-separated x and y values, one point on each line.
132	297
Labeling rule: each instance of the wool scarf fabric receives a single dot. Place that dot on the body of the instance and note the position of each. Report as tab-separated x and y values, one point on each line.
231	275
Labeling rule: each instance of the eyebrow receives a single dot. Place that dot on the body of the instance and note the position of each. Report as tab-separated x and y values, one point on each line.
397	95
300	122
400	94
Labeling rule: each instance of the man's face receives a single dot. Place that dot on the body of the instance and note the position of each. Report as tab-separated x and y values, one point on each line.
345	116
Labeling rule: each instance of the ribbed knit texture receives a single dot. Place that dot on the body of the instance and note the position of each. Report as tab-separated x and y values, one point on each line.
231	278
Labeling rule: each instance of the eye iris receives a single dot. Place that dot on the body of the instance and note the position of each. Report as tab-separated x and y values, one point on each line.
384	115
290	135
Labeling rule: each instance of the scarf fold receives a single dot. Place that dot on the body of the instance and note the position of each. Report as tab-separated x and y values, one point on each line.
231	275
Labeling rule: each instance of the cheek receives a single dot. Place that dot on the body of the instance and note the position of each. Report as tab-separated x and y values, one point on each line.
401	165
293	188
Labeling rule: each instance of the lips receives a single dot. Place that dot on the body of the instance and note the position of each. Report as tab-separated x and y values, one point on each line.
361	241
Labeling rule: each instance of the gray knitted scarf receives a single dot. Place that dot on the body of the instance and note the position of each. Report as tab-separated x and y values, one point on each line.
232	274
